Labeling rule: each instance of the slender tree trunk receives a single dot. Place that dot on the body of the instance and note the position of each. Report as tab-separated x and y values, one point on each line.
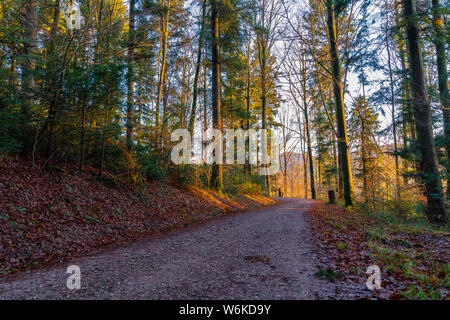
162	71
344	153
433	187
308	132
441	58
197	72
205	108
305	174
262	57
217	170
394	122
247	167
83	121
285	160
408	126
102	154
30	22
130	75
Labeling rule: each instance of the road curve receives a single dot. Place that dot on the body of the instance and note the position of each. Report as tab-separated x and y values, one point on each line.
262	254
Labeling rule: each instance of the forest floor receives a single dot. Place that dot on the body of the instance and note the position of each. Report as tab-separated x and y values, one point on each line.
50	214
413	257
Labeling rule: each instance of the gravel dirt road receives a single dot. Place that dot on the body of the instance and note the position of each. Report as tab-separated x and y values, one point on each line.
262	254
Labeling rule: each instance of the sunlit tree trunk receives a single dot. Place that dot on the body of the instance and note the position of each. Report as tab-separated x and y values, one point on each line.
164	29
217	170
343	149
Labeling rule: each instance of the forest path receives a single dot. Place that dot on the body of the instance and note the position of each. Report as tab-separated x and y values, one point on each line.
262	254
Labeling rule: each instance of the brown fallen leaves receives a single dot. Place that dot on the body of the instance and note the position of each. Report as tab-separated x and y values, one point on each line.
413	258
47	215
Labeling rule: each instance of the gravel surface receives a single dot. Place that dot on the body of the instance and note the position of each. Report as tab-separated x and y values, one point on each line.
262	254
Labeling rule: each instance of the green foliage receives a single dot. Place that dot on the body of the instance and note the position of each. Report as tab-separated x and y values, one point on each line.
328	273
251	188
149	164
9	132
419	293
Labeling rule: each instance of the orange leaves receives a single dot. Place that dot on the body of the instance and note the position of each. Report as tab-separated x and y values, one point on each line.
48	215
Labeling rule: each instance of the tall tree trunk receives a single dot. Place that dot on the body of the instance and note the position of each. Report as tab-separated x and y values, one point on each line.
217	170
343	150
164	26
247	166
205	108
441	58
308	132
197	72
262	57
433	187
408	126
130	75
30	22
394	122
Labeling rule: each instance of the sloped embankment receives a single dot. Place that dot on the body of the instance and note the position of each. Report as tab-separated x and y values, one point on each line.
47	215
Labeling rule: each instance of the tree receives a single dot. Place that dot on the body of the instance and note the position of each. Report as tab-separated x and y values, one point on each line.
197	70
217	170
429	163
441	59
30	23
130	73
297	72
265	23
344	153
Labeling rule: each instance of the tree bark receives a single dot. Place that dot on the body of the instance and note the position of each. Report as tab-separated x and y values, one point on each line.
30	22
197	72
394	123
308	132
262	57
441	58
130	75
343	149
433	188
162	73
217	170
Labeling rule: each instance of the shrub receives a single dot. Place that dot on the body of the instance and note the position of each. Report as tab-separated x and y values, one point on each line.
250	188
